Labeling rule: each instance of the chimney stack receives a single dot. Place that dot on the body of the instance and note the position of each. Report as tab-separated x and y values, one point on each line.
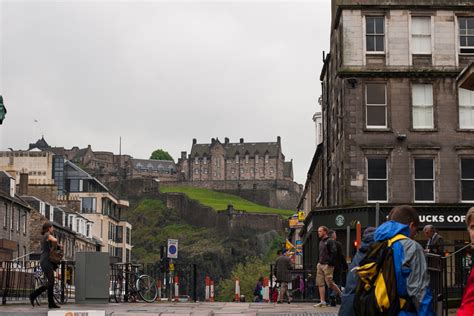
226	140
278	139
23	184
194	141
183	155
241	140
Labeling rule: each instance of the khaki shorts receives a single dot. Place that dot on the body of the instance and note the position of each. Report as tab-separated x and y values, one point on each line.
324	274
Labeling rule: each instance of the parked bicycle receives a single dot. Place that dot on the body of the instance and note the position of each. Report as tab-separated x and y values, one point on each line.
129	285
40	280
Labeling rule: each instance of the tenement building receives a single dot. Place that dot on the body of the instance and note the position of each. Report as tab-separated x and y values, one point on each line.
397	127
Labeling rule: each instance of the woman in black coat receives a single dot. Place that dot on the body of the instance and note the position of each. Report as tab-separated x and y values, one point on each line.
47	241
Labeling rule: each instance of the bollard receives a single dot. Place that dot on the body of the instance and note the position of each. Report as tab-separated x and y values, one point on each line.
208	284
211	295
158	287
237	290
266	290
176	288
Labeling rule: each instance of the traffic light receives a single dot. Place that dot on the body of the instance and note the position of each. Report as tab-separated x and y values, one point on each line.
3	110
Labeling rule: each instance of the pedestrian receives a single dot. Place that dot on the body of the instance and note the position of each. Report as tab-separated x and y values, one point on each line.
283	276
467	303
258	291
348	293
340	269
325	267
435	243
47	243
411	272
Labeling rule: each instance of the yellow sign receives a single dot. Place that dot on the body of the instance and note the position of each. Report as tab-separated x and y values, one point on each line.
171	266
293	222
301	216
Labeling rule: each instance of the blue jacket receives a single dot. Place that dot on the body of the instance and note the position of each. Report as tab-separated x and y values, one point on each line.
410	265
347	299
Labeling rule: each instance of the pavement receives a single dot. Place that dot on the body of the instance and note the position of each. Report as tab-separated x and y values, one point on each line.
176	309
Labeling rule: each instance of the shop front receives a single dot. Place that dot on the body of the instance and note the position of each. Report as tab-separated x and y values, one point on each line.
449	220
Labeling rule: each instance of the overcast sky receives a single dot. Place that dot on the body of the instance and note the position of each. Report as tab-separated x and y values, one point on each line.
159	74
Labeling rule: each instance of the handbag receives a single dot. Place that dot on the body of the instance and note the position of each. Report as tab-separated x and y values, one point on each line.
55	254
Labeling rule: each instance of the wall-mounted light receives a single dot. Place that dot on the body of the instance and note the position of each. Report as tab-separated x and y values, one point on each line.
352	82
401	137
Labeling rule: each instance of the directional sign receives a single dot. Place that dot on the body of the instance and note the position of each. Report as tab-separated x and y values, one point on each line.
173	248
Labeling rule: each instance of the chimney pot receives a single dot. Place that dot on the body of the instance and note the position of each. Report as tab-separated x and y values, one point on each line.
194	141
226	140
23	184
241	140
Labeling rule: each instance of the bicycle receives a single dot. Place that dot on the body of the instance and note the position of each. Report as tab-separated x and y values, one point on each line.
134	285
40	280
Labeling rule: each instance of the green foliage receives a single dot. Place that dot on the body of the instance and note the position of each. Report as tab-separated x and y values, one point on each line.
153	224
219	201
248	274
161	154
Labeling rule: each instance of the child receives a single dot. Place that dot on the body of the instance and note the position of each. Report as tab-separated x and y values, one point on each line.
258	292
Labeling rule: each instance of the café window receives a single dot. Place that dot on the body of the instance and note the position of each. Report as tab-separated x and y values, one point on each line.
377	179
467	180
422	104
424	180
421	34
466	34
374	34
376	105
466	109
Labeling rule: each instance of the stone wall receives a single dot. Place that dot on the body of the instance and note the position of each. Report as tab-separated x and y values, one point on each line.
229	222
278	194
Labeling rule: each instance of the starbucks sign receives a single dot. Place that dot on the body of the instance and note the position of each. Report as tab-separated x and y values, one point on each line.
339	220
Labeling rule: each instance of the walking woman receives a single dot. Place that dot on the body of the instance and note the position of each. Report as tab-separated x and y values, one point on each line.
46	265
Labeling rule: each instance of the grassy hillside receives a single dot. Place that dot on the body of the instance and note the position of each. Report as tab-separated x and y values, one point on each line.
219	201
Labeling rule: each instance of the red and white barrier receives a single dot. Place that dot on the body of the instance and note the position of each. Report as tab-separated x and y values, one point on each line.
237	290
211	293
176	288
208	288
266	290
158	286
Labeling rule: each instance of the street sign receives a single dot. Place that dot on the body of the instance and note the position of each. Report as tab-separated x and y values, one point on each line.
173	248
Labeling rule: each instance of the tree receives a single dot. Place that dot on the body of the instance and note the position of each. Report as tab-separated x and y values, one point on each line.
160	154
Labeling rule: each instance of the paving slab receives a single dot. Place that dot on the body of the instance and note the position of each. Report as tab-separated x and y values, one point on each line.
178	309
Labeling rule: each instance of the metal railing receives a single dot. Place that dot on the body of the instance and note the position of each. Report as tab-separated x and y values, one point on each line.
19	278
449	275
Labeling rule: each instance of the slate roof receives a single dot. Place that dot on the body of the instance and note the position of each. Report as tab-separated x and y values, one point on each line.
153	164
242	149
40	144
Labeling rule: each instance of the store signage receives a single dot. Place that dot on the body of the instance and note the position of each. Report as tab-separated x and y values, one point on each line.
432	219
340	220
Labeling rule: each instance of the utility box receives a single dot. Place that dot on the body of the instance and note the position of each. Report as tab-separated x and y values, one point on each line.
92	277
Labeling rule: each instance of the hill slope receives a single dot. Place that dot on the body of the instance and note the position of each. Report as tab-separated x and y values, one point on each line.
219	201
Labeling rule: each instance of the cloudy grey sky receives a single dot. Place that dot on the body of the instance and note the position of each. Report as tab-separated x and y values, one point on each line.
159	73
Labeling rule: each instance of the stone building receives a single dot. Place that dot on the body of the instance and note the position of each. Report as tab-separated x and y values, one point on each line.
15	214
397	128
109	167
219	161
98	211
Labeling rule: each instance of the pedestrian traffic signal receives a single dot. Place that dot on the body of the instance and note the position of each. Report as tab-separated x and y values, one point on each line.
3	110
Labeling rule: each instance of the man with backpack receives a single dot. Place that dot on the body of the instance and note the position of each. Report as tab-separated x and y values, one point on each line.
393	276
325	267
